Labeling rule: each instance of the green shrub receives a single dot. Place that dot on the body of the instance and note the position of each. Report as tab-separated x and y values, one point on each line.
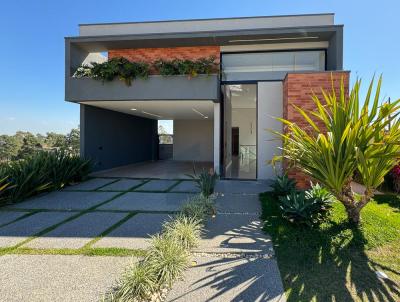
301	208
283	185
42	171
199	207
137	284
186	230
205	181
121	68
186	67
168	258
321	194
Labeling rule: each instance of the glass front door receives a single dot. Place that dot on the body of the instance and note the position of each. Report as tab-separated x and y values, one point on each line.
240	131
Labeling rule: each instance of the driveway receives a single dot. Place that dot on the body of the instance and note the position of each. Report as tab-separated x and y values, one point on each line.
115	217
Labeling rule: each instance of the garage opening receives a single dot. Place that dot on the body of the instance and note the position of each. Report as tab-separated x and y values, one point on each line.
151	139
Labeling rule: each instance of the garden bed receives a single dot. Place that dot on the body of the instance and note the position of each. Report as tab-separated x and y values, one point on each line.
337	262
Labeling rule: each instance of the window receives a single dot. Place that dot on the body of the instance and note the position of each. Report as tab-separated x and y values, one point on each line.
265	62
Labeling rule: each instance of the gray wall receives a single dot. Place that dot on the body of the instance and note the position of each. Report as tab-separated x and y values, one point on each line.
193	140
115	139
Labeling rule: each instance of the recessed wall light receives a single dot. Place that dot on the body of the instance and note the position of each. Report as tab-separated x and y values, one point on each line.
152	114
133	109
198	112
273	39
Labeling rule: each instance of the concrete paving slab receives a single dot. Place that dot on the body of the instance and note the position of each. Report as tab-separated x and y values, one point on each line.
157	185
238	280
234	233
65	201
76	233
238	203
19	231
135	233
8	216
138	201
242	187
38	278
122	185
186	186
91	184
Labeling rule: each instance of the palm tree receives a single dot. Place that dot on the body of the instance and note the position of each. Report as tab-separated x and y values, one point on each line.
343	138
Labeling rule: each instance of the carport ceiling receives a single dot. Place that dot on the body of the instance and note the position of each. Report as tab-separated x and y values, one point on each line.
161	109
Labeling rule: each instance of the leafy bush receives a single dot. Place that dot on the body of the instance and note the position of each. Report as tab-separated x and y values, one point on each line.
307	207
205	181
283	185
121	68
127	71
186	230
168	258
198	207
137	284
42	171
186	67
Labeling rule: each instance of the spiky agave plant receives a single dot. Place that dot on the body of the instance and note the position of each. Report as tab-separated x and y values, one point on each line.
352	137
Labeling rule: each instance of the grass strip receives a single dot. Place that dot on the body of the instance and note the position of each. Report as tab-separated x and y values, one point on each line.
109	230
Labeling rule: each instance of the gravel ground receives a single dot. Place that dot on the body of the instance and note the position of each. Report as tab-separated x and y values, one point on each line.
58	278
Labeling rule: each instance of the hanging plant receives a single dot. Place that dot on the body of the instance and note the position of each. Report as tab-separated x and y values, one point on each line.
121	68
128	71
186	67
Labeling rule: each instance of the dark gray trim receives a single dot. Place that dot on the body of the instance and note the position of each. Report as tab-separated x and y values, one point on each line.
208	19
198	34
201	87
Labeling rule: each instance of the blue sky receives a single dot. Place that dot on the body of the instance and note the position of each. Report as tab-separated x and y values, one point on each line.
32	45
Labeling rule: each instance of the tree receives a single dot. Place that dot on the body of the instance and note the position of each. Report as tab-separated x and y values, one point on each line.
55	140
73	140
30	145
163	135
352	138
9	147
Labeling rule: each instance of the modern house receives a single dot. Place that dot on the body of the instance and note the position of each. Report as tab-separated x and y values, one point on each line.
265	64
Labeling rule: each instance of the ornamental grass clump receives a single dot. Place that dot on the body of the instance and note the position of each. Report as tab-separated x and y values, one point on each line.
40	172
138	283
205	181
199	207
168	258
342	136
185	230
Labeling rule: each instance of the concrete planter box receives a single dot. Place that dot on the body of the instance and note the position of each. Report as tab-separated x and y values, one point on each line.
156	87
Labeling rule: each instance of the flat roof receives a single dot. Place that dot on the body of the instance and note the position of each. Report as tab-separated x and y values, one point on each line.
205	25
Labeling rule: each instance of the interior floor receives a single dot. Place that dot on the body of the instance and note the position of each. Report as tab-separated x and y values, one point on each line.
163	169
242	168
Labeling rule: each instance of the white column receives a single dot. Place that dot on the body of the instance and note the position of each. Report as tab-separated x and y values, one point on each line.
270	99
217	132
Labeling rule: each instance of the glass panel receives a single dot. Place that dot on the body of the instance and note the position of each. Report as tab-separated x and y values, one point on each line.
283	61
272	62
309	60
240	131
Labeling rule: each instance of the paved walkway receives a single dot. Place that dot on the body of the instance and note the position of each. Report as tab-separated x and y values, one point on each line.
104	215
